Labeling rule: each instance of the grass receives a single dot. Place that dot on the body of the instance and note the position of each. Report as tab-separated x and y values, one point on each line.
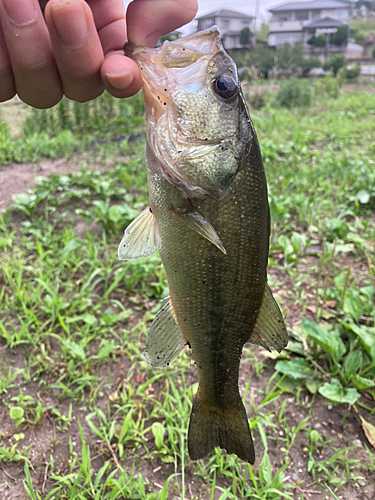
74	319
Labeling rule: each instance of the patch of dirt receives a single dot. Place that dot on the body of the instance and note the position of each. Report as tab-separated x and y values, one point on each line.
20	177
358	88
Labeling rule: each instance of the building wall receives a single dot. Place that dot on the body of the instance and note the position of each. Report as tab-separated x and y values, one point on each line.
280	39
284	26
225	24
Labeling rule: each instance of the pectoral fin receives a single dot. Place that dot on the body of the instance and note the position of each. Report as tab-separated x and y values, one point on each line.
270	328
141	237
202	226
165	340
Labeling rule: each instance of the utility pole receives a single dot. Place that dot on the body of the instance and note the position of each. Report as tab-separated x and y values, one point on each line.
257	8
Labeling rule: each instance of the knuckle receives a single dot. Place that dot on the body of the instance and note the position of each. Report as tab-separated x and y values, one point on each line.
36	66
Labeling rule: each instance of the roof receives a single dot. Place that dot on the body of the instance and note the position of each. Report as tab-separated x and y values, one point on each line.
314	4
225	13
327	22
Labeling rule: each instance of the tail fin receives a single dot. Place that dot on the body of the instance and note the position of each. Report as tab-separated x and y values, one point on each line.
211	426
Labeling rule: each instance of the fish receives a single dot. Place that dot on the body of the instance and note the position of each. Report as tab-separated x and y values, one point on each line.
209	218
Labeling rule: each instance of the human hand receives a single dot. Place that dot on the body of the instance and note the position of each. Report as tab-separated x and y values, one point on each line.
75	47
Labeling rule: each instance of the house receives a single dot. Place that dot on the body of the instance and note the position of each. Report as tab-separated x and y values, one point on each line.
299	21
230	24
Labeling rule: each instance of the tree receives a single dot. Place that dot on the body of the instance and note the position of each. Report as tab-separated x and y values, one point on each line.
245	36
263	32
334	63
341	35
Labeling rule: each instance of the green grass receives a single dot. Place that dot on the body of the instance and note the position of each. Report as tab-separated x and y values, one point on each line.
74	319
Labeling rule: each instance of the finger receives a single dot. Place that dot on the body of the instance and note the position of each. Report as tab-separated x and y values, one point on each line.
7	85
148	20
26	36
120	75
77	48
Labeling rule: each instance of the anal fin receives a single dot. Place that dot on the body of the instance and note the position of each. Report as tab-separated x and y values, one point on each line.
269	328
141	237
165	340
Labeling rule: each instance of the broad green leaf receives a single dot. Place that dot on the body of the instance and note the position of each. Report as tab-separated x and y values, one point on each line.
352	364
327	340
353	304
106	350
114	213
362	382
16	413
313	384
158	431
366	336
89	319
363	196
315	436
335	392
295	368
76	350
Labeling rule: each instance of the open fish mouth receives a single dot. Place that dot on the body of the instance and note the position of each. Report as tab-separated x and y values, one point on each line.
179	53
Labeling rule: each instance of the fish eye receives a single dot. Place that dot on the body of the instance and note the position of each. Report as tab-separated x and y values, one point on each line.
225	86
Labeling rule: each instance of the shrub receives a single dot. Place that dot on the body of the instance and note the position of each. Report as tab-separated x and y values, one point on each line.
257	100
317	41
329	86
352	73
245	36
341	35
334	63
293	94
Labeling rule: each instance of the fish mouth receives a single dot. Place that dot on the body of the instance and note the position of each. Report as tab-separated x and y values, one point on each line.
164	67
179	53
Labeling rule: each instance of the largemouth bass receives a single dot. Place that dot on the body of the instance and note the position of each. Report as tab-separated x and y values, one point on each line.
209	218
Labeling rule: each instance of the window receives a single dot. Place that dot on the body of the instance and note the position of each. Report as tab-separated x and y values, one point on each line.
206	23
302	16
343	14
282	19
316	14
225	23
245	23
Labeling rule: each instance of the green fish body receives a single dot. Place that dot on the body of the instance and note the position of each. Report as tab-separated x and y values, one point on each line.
209	218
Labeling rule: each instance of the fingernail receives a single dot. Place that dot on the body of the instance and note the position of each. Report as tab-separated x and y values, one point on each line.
70	21
20	12
122	80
